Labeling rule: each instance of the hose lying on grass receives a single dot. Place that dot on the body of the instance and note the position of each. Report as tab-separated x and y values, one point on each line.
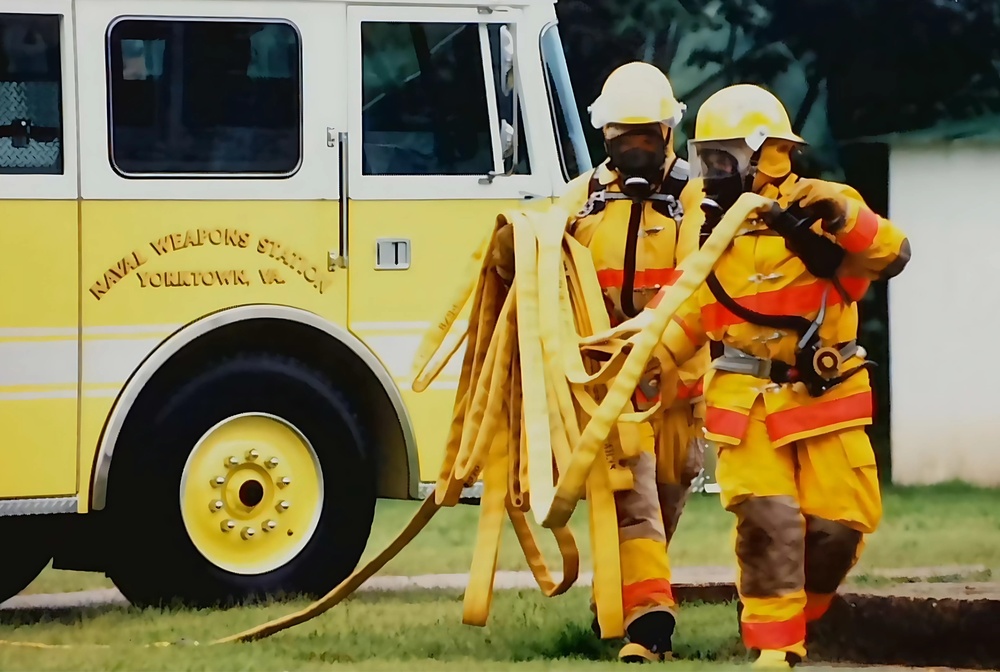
533	411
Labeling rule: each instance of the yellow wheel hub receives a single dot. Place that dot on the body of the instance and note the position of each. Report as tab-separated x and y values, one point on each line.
251	493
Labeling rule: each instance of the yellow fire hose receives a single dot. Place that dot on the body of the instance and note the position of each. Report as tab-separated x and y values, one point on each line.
529	397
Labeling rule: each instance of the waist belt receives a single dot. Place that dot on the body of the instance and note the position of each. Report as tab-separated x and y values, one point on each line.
815	366
735	360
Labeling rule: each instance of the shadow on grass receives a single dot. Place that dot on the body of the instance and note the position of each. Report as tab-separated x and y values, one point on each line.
61	615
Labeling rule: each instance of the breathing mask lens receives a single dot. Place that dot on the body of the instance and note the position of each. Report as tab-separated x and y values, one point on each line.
638	153
723	168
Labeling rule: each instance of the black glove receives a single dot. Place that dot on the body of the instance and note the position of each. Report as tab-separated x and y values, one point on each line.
713	215
821	255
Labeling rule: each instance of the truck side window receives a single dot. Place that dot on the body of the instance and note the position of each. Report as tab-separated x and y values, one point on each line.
30	95
205	97
424	109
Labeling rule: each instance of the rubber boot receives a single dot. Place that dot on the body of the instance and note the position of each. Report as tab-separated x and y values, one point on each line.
780	660
649	638
776	660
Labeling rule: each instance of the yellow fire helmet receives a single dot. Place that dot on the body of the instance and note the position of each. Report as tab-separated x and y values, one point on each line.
744	112
636	93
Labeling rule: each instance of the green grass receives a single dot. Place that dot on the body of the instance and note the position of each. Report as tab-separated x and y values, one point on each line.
422	630
417	630
950	524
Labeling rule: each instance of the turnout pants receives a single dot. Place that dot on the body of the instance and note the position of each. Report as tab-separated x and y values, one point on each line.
802	511
648	513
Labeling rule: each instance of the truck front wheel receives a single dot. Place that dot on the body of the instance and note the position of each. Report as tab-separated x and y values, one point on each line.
251	480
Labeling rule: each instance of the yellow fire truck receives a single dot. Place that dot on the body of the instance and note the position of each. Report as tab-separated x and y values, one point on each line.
226	225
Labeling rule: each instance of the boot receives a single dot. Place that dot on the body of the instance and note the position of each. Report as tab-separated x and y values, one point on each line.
649	638
776	660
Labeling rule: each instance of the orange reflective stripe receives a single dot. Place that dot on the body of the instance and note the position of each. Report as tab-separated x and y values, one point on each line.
775	635
685	391
648	592
816	416
792	300
861	236
724	422
817	605
648	278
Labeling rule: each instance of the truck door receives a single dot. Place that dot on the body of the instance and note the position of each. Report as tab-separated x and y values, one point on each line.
39	322
431	124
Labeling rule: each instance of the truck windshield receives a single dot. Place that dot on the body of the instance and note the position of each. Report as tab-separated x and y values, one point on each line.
573	152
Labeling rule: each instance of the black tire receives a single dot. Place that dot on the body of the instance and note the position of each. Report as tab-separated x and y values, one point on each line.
160	564
30	546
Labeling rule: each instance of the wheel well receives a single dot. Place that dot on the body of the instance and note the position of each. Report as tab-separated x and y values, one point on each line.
395	466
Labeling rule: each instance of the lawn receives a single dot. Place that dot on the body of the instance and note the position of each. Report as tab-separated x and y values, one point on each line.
950	524
422	629
413	630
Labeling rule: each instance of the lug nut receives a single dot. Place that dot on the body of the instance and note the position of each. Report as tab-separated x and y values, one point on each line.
218	481
283	505
285	481
252	454
270	525
227	525
272	463
216	505
247	532
232	461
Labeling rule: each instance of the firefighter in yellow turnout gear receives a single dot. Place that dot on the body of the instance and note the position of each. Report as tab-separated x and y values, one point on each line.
789	395
627	215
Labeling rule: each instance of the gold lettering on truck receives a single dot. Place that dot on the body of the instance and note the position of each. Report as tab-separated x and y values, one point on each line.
315	274
111	276
238	277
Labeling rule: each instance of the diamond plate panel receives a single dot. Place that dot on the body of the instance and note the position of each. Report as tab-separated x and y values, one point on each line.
38	102
29	507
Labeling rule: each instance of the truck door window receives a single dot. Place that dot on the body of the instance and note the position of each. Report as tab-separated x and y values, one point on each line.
424	109
205	97
30	95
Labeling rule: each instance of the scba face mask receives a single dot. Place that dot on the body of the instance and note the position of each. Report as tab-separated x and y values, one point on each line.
638	153
724	168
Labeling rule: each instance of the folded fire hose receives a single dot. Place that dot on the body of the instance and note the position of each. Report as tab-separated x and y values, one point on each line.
528	396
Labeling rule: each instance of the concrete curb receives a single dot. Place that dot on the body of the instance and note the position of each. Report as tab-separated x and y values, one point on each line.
704	583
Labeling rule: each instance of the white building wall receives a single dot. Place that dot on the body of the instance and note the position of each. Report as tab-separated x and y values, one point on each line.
944	314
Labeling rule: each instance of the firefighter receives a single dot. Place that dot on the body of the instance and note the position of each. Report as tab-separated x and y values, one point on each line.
789	394
627	214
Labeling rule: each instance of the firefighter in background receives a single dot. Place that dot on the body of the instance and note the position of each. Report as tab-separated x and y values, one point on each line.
789	395
628	212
